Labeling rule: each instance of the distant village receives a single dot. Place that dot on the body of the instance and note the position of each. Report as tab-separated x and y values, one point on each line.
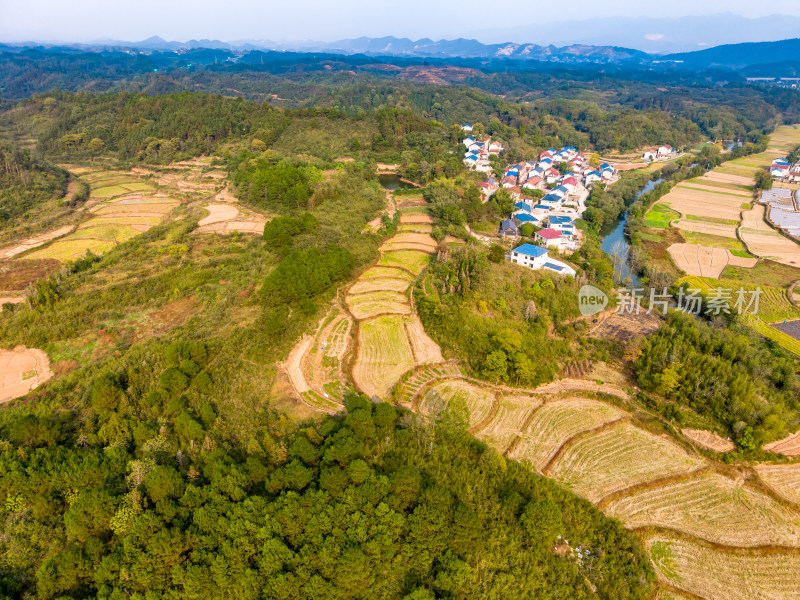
785	172
549	192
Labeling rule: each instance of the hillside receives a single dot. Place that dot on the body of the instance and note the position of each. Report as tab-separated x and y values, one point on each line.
739	56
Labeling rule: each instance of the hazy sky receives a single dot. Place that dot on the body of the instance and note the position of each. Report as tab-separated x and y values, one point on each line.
87	20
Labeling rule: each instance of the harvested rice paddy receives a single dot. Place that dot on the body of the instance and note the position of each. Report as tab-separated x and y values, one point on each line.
477	400
714	508
556	423
620	457
719	575
384	354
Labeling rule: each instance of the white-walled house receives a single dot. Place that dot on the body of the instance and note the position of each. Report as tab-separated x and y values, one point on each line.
536	257
466	127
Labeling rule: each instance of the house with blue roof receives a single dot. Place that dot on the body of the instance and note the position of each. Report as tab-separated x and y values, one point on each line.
523	206
593	177
526	218
562	190
543	207
466	127
535	257
529	255
558	220
468	141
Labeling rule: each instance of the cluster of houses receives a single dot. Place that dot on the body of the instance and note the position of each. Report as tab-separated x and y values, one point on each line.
535	257
782	170
542	172
479	150
664	152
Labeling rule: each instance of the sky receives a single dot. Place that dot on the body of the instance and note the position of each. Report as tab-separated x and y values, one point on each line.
230	20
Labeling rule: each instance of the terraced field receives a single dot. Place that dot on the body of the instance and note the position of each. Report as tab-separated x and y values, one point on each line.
413	261
714	508
382	302
112	223
384	354
719	575
709	534
773	304
478	400
618	458
513	413
556	423
784	479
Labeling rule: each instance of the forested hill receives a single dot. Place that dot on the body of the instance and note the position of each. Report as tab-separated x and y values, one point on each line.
376	505
372	122
27	182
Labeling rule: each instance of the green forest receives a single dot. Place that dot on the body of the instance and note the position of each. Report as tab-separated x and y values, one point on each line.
170	457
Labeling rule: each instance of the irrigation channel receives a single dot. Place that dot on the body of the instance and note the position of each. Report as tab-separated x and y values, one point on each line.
616	246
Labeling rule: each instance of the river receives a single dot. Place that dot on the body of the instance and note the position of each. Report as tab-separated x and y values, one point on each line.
616	246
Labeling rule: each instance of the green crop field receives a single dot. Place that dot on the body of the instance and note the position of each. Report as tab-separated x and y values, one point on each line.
413	260
66	250
660	216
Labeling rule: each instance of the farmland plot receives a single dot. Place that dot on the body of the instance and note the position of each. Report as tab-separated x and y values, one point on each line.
718	575
21	370
413	261
508	423
425	350
381	272
555	423
384	354
478	400
784	479
708	440
415	227
411	241
714	508
615	459
372	304
377	284
790	445
700	203
764	241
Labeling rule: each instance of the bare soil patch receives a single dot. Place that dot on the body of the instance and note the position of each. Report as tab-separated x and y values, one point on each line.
17	275
623	327
415	218
21	370
705	261
708	440
728	231
789	446
218	213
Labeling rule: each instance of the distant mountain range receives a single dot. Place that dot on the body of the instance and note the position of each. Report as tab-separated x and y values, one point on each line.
653	35
778	58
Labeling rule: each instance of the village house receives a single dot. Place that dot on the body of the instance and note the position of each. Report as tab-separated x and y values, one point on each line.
664	151
509	228
536	257
549	237
466	127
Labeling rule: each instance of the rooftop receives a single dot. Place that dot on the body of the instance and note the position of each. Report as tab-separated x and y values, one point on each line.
530	250
549	234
